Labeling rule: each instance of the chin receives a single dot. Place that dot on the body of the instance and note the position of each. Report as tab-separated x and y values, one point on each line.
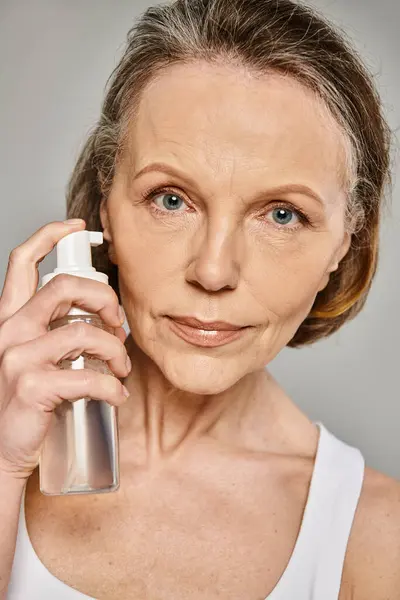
202	375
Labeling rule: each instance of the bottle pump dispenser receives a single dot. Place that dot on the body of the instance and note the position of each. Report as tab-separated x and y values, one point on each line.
80	451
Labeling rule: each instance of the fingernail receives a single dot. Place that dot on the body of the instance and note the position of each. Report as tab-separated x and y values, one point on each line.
121	314
73	221
128	363
125	391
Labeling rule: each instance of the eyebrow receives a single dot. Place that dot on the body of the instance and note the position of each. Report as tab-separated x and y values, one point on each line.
281	189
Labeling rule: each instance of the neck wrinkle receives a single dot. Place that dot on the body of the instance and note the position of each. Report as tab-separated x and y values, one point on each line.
166	421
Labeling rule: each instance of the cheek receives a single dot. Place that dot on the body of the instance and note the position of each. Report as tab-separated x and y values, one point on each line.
150	268
284	280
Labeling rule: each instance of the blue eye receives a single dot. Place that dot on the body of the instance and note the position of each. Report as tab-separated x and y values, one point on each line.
284	216
170	201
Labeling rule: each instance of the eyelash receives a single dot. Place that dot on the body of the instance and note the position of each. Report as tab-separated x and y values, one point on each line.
153	192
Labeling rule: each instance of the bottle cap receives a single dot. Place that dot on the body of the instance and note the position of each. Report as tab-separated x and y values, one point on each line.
74	256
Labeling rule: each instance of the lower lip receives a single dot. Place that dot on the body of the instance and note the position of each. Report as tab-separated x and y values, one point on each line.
201	337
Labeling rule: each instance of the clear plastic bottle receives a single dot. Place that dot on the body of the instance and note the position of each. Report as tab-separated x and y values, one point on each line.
80	451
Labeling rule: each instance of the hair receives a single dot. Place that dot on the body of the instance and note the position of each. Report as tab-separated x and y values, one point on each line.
264	36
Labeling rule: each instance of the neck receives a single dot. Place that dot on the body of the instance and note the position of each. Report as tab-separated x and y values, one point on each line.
158	420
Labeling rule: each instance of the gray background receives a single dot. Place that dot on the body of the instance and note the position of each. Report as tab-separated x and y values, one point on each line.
55	58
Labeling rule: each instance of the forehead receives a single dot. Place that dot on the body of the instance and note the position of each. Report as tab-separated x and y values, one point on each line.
216	119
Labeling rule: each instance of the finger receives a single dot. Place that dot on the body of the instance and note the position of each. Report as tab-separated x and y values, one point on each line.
120	333
45	390
67	343
22	274
55	299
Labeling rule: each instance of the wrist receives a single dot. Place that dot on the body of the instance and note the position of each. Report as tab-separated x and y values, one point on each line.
12	478
16	481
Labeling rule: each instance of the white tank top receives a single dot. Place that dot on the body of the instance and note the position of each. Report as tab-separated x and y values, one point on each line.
314	570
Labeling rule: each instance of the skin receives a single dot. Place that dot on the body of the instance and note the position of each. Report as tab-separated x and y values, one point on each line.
220	255
216	459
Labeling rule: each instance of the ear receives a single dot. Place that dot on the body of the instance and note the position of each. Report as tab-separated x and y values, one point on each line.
338	256
341	252
105	222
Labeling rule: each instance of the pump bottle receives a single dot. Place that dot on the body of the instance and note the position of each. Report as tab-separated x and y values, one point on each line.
80	451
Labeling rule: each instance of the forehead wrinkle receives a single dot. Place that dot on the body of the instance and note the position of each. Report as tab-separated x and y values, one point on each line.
223	158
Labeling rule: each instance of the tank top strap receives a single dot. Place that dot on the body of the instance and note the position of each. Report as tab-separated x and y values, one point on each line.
336	494
315	567
29	577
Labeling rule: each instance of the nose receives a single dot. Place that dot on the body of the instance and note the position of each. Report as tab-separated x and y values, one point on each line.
214	263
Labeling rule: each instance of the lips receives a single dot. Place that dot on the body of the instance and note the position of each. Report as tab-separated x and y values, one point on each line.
205	334
206	325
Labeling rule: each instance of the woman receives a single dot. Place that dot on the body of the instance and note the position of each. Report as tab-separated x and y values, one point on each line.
237	172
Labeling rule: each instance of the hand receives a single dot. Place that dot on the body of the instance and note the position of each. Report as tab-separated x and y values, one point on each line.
31	383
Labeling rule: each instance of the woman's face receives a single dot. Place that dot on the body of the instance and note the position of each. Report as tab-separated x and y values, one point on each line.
217	240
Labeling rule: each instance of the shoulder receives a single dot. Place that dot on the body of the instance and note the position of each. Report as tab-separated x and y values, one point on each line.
374	545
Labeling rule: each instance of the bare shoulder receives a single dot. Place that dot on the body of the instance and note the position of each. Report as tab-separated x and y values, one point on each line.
373	550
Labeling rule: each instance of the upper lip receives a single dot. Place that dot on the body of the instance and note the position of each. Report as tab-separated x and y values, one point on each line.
207	325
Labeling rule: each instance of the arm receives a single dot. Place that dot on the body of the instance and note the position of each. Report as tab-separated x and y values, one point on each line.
10	500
